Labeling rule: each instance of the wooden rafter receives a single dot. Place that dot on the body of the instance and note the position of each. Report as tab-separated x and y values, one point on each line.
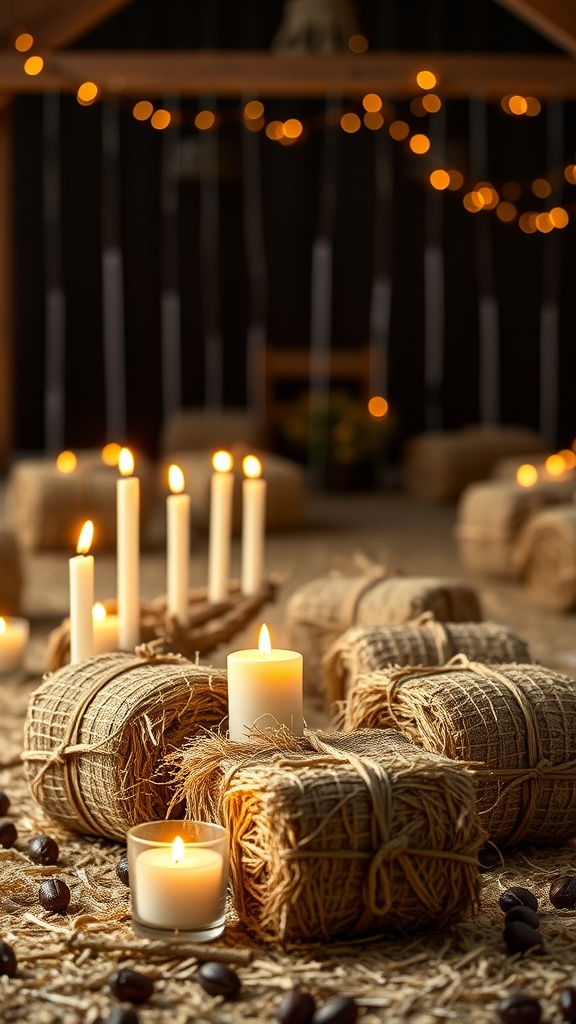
553	19
55	22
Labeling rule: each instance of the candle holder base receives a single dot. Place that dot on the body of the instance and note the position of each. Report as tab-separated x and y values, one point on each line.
203	933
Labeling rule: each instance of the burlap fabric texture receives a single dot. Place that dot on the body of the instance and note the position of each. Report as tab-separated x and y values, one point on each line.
321	610
97	733
514	724
363	649
546	557
338	836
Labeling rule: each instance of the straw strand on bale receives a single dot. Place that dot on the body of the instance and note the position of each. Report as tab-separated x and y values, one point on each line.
513	723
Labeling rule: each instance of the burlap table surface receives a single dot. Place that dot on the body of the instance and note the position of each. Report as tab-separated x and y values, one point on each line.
65	961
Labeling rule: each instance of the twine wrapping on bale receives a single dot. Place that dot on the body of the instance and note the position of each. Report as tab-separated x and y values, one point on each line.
546	557
513	723
338	836
209	625
97	733
364	649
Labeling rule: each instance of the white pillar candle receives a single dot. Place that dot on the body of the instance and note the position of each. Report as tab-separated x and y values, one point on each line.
253	525
82	597
178	887
14	633
128	553
221	494
264	689
178	546
105	630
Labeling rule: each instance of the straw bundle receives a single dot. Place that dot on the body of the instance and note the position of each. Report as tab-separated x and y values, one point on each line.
546	557
10	574
320	611
515	723
336	835
491	516
96	735
364	649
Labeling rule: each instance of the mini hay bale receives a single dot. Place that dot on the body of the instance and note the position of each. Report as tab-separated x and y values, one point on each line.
209	624
322	609
439	465
10	573
490	518
546	557
363	649
513	723
97	733
338	836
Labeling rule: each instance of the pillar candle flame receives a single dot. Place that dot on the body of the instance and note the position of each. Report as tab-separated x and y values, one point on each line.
85	538
178	850
264	643
126	462
176	479
2	624
98	612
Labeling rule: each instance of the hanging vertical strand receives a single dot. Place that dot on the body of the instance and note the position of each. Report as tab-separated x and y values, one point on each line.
549	334
257	276
381	293
113	278
170	298
209	262
434	287
489	357
55	311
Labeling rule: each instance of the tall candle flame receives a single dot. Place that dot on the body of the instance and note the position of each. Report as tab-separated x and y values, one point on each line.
98	612
175	479
252	466
85	538
126	462
222	462
264	644
2	624
177	850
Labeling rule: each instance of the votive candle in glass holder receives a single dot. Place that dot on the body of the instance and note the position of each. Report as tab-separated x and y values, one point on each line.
178	879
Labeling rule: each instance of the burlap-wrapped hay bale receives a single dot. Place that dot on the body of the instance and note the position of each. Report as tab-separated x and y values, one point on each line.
336	836
97	733
11	578
513	723
490	518
205	429
321	610
546	557
439	465
363	649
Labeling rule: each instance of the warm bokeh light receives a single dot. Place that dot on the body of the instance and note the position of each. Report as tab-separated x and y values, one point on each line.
569	458
358	44
419	144
143	110
559	216
222	461
126	462
505	103
511	191
541	188
204	120
527	223
426	79
255	126
2	624
350	123
431	103
377	406
373	121
533	106
440	179
111	453
570	174
87	93
85	538
526	475
253	110
555	465
399	130
264	642
251	466
23	42
175	479
372	102
417	107
489	195
275	130
506	212
160	119
33	66
178	850
473	202
456	180
292	128
517	104
98	612
66	462
543	223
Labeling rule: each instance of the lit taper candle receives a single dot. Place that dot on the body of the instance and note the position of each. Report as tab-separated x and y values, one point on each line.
82	597
221	494
178	546
264	689
128	553
253	524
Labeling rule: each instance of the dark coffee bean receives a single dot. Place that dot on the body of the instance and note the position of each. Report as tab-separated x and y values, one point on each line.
567	1002
488	859
131	986
122	1015
43	850
4	803
563	892
519	1009
7	960
339	1010
54	895
517	896
122	870
520	937
525	914
296	1007
8	833
218	980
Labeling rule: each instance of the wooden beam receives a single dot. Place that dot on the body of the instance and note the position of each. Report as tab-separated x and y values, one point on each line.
6	259
140	74
57	22
553	19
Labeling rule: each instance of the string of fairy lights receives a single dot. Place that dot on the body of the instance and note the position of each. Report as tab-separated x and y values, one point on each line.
373	114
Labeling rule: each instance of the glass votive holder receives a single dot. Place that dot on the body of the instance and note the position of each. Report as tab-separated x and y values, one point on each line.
178	879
